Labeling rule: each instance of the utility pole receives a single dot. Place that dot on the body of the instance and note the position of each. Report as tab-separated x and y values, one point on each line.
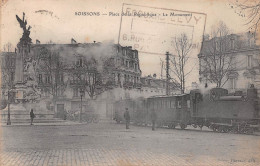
161	62
167	73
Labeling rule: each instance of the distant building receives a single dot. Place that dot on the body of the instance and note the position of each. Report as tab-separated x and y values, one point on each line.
152	86
245	68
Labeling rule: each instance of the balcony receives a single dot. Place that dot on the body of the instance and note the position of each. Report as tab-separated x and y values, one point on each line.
128	85
77	82
137	85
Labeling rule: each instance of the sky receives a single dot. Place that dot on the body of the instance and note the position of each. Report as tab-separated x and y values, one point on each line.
56	21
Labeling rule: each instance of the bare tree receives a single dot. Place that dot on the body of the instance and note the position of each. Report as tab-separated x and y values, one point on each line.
7	79
217	60
49	65
183	47
88	75
250	10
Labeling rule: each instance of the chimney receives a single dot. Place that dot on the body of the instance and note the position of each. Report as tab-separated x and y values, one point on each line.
73	41
38	41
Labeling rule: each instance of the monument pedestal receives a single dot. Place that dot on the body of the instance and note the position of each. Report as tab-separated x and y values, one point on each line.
20	89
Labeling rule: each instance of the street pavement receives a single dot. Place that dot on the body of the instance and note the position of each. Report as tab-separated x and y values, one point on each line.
107	143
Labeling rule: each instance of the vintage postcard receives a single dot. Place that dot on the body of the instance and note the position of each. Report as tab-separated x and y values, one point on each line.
128	82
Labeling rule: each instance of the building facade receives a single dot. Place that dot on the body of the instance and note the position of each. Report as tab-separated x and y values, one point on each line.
237	62
61	77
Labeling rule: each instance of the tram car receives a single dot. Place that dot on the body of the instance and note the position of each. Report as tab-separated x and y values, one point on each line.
136	107
215	109
171	110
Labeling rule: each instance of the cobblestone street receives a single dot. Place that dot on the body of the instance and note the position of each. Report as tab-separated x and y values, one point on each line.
111	144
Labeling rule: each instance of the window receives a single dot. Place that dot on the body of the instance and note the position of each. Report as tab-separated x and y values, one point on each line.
233	83
40	78
75	92
12	76
217	45
232	44
168	104
61	78
60	92
179	104
79	62
46	93
151	104
114	76
188	103
172	103
249	60
47	79
118	77
124	51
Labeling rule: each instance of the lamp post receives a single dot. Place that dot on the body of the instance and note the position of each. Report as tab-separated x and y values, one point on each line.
81	95
8	105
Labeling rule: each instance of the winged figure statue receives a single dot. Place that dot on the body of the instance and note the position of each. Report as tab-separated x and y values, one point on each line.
26	32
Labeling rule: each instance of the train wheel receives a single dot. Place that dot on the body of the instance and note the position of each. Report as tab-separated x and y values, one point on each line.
183	126
171	126
225	129
214	128
250	131
219	129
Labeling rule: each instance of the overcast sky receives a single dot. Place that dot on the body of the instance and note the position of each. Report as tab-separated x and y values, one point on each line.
59	23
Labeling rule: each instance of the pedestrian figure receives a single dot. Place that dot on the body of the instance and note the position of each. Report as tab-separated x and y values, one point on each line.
127	118
154	118
32	116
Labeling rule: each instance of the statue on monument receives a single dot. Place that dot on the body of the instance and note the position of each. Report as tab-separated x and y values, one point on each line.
26	31
25	77
23	46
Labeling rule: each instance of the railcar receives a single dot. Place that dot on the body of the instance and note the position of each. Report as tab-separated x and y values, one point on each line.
216	109
171	110
136	107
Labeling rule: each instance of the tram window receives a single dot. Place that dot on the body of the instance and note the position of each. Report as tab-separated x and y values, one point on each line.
163	104
173	104
168	104
188	103
179	104
151	105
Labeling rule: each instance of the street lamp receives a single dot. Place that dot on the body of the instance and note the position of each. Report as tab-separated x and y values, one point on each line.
81	95
8	105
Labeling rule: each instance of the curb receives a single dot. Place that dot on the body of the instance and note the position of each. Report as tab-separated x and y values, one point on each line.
42	124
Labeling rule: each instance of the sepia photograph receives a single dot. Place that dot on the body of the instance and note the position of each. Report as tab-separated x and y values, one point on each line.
129	83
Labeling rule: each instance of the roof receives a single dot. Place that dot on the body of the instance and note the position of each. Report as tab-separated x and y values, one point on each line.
242	41
164	96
